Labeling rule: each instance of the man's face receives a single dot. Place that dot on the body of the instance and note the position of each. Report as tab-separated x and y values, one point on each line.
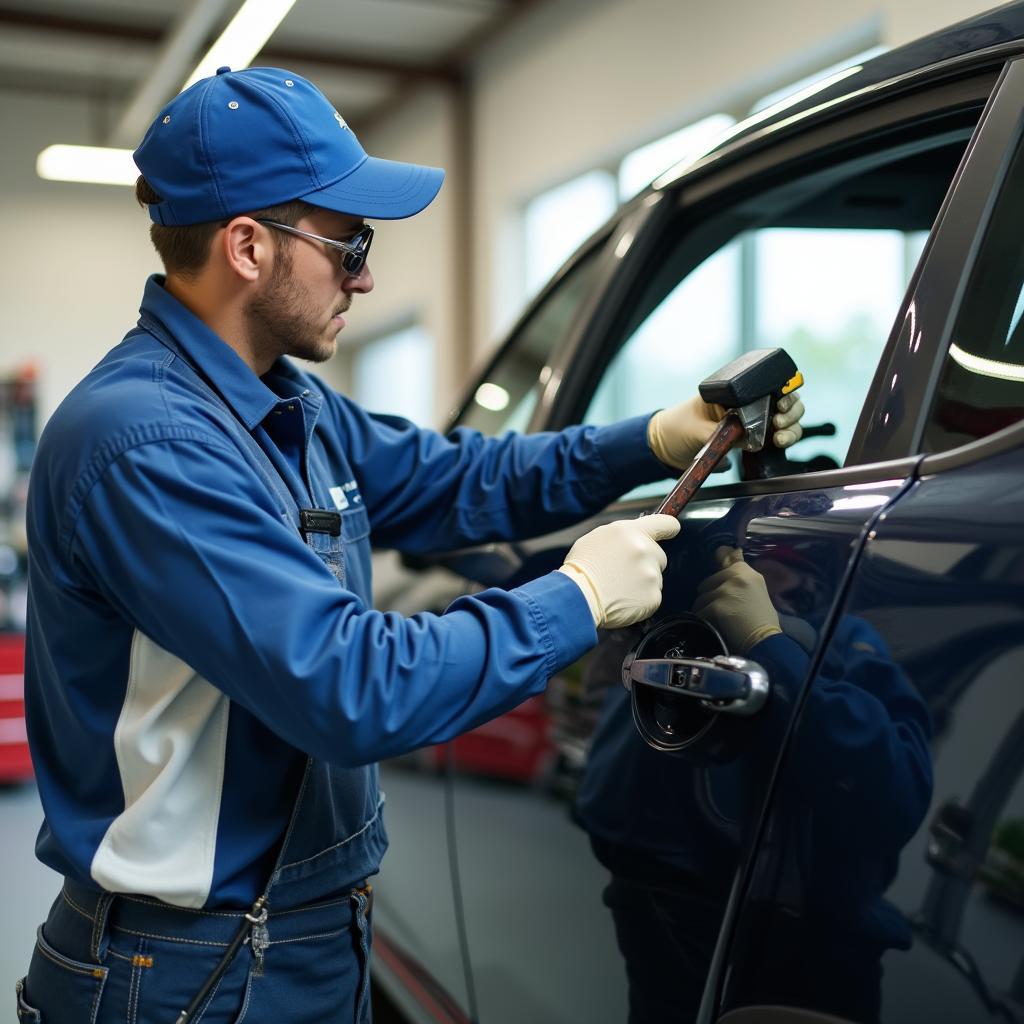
299	310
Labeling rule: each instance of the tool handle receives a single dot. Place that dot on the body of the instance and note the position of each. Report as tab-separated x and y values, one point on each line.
726	434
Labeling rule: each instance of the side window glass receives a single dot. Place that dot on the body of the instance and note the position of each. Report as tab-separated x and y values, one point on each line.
818	267
507	398
982	385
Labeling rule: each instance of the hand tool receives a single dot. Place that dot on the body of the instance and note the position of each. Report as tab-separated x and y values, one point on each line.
748	388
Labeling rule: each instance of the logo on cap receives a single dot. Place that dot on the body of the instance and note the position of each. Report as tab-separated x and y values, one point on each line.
340	120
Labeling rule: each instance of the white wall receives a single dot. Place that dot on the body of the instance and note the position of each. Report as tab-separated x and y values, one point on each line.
583	81
411	259
73	258
575	83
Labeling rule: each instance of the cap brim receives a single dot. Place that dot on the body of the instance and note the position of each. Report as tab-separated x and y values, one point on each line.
381	189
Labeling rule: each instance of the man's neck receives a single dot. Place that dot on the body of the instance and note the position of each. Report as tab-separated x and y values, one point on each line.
222	314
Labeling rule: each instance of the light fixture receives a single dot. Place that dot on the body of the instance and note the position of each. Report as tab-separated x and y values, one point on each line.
244	37
97	165
492	397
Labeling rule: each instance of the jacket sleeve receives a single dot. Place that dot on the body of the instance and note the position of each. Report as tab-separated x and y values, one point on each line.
427	492
181	542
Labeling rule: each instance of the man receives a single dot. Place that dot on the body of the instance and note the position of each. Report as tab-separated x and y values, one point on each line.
208	688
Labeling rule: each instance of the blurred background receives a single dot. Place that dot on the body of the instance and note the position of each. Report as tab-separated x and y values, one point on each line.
546	115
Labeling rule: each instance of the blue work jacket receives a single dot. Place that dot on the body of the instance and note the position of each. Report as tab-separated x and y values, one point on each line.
189	649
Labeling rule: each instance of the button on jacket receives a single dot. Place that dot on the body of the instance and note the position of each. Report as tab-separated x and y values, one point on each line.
188	646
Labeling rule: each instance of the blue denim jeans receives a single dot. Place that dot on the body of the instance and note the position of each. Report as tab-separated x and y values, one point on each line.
102	958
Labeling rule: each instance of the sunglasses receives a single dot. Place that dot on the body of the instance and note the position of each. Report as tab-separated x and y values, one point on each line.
353	252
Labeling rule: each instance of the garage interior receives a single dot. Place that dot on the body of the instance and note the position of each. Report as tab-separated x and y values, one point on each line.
545	114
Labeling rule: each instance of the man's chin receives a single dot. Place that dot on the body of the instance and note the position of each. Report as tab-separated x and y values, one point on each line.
319	352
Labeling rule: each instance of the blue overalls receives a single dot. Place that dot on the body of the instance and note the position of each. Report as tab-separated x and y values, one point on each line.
134	959
168	492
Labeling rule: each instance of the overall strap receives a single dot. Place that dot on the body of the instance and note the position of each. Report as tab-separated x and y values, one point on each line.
253	927
288	507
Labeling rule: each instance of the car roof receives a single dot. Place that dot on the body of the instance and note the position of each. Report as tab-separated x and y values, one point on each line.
986	34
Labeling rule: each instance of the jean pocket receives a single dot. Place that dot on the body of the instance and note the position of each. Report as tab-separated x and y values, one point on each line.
26	1014
58	987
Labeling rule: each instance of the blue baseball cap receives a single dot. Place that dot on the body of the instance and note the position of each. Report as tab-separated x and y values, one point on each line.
240	141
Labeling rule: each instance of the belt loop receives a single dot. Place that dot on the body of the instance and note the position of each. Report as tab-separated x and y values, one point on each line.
100	934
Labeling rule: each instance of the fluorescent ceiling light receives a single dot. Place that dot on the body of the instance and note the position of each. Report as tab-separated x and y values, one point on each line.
96	165
244	37
492	396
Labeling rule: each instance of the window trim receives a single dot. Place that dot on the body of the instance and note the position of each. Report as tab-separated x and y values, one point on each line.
919	342
727	186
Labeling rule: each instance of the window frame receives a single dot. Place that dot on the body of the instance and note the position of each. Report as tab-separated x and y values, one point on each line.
718	184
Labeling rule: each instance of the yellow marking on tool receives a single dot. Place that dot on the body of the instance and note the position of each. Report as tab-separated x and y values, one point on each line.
794	382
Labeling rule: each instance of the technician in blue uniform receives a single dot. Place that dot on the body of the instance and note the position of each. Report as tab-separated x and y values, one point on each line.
208	688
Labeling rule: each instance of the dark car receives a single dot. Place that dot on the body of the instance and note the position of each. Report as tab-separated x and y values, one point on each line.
855	850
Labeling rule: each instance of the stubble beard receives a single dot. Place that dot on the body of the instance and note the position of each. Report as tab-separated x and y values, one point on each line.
283	319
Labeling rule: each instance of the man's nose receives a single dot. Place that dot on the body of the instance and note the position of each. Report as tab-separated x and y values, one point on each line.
361	282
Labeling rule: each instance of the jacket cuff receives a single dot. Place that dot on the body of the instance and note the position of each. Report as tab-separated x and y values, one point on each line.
562	616
624	450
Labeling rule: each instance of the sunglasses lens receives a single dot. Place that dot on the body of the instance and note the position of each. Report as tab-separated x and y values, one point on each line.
353	262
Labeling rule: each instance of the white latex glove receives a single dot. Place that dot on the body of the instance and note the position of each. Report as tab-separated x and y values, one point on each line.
735	601
619	568
675	435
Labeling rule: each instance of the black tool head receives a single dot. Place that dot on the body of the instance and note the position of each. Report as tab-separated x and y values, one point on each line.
753	375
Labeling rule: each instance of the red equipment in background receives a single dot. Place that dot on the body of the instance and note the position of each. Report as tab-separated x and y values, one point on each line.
15	763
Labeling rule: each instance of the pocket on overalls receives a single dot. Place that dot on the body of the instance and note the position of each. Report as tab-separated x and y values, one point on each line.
330	550
163	973
59	988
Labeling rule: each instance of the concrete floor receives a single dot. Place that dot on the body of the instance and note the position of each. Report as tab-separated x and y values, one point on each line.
517	834
27	888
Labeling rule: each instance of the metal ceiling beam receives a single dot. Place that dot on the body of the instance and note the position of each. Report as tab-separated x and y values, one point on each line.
440	72
14	18
282	56
178	55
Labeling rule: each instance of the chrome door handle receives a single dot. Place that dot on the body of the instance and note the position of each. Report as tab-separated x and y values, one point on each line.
724	683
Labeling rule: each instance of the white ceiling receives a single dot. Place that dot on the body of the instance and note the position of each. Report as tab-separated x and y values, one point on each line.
364	54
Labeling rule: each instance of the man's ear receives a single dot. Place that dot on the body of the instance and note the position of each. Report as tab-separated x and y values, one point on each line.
246	249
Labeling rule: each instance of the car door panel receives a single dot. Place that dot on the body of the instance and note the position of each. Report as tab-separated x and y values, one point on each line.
594	883
905	904
926	911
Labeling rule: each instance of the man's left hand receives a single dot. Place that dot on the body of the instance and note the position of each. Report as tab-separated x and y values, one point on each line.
675	435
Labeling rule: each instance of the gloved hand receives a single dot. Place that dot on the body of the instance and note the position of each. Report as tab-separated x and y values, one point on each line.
735	601
619	568
675	435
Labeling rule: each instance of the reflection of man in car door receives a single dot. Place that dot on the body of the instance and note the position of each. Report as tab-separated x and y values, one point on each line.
670	830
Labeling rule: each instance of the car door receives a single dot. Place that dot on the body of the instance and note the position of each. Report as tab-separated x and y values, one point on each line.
888	882
599	889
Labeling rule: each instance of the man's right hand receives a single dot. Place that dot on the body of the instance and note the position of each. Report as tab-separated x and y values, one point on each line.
619	568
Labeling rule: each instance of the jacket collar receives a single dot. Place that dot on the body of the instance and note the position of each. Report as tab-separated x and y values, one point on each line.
246	394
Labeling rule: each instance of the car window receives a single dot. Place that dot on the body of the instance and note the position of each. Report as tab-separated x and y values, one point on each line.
505	400
818	266
982	385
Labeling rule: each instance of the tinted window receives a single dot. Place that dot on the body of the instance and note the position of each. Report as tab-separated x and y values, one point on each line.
818	266
507	397
982	385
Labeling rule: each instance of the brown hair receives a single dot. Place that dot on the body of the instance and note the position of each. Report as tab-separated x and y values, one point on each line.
185	250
